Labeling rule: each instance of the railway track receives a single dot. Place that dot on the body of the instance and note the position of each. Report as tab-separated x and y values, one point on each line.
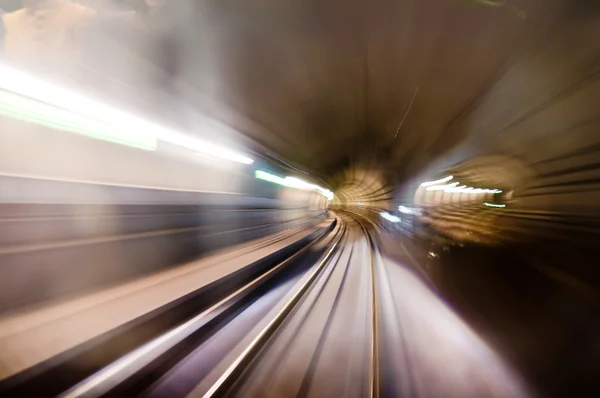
331	319
292	348
132	356
298	355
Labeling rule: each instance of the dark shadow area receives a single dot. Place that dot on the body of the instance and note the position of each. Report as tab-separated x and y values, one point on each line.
524	301
544	323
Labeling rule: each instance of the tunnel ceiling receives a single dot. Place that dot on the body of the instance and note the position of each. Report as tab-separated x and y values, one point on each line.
404	84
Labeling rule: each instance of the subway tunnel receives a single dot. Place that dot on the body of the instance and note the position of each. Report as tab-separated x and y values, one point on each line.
390	198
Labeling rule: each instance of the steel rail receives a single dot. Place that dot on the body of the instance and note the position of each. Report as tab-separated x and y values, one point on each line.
374	371
241	363
125	367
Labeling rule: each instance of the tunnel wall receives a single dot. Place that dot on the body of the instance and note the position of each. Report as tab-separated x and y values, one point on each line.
550	201
533	132
363	185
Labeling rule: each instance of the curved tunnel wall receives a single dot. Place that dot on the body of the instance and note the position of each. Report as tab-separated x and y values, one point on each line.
552	200
533	132
363	186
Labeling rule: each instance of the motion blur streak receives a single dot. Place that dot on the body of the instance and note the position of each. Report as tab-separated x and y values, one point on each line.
437	182
389	217
493	204
292	182
341	198
442	187
28	110
99	116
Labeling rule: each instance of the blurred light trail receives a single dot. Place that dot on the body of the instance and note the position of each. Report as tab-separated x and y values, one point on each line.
493	205
441	187
455	189
473	190
436	182
292	182
262	175
461	189
438	185
409	210
59	108
390	217
31	111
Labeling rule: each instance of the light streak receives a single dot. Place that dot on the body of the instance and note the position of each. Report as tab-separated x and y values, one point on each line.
390	217
31	111
441	187
269	177
32	99
409	210
493	205
438	185
292	182
436	182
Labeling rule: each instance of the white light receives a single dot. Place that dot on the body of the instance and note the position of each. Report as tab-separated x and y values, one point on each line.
440	181
29	86
455	189
390	217
441	187
493	205
293	182
219	152
328	194
409	210
29	110
405	210
471	190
